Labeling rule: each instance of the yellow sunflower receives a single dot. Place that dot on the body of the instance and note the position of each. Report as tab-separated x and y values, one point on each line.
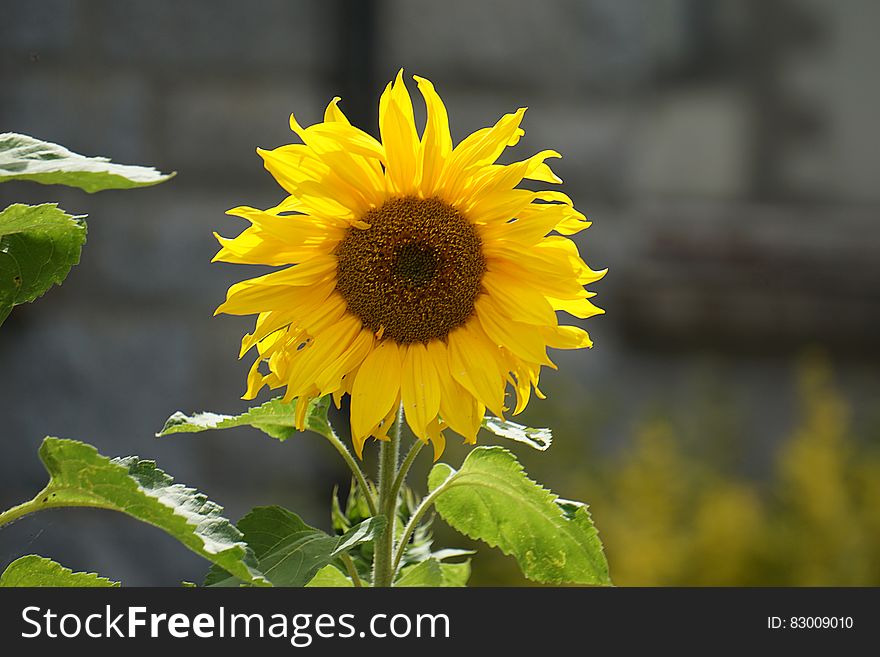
414	272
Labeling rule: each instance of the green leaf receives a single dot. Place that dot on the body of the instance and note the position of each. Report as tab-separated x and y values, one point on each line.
356	507
451	553
355	511
26	158
491	498
275	418
289	552
330	577
539	439
431	572
359	534
424	573
32	570
38	246
81	477
338	520
456	574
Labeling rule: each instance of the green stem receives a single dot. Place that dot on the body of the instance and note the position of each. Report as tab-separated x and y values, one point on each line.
383	574
48	498
416	517
352	571
331	436
408	460
19	511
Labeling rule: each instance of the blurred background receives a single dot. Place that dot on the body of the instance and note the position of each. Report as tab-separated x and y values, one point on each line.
725	428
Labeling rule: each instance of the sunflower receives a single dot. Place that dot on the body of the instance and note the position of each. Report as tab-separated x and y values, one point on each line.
414	272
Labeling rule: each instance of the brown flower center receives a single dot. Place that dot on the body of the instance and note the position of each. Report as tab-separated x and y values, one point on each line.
415	271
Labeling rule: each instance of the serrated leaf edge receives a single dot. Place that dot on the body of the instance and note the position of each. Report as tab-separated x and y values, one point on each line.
550	496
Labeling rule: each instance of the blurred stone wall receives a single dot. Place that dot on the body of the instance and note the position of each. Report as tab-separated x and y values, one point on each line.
130	338
725	150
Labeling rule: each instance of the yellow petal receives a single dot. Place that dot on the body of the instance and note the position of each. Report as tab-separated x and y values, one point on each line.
553	265
499	207
330	379
282	293
317	188
566	337
278	240
518	273
342	153
521	339
328	313
276	291
438	440
485	146
503	178
379	432
528	229
398	129
333	114
323	349
523	302
338	136
458	407
580	308
375	389
543	173
570	220
561	249
526	378
419	389
481	148
275	221
302	407
436	144
474	362
254	380
267	323
318	201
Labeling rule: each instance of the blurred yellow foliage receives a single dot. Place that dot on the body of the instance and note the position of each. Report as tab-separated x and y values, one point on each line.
671	518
